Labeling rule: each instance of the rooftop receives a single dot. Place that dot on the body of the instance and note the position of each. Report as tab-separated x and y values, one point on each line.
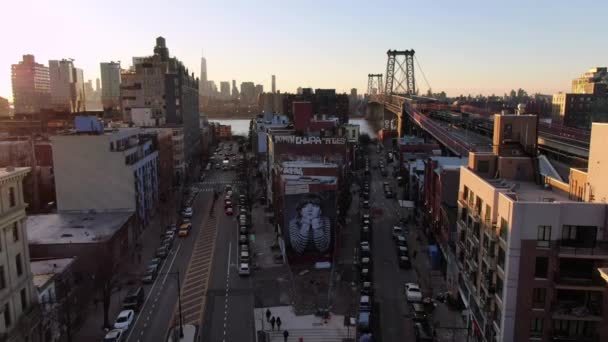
64	228
4	172
531	192
306	163
450	163
44	270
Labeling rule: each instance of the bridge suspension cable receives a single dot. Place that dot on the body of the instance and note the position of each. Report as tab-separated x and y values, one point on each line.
422	71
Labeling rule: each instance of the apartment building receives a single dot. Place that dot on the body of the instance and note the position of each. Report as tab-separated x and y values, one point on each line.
529	246
106	170
31	85
17	294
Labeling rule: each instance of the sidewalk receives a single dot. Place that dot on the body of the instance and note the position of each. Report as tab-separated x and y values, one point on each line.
443	318
309	327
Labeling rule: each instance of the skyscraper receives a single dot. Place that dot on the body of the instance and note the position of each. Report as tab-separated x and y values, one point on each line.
205	87
225	90
235	90
274	84
67	86
247	92
110	85
31	85
97	84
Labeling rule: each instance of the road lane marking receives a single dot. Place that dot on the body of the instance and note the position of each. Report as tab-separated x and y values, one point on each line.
150	293
172	261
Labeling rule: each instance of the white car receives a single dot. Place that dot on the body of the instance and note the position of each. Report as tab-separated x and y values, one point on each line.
114	335
412	292
397	231
244	269
124	320
188	212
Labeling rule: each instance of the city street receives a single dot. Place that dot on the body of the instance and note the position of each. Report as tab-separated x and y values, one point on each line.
192	257
229	305
388	278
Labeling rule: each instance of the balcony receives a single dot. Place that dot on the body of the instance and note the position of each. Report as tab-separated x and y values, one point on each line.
578	281
583	249
490	260
462	199
575	311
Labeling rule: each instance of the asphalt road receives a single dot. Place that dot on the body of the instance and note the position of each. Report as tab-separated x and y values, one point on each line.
229	311
153	320
388	278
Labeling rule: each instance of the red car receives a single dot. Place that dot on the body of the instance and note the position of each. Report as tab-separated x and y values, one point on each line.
227	203
228	211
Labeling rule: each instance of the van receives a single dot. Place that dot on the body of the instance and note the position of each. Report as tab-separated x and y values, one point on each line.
363	321
134	299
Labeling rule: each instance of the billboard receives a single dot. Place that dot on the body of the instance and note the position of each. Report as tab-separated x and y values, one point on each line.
309	224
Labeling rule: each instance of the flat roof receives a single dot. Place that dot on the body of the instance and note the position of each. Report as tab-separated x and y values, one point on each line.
65	228
531	192
450	163
44	270
16	170
306	163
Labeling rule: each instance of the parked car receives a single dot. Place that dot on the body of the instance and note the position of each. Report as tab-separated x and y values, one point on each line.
150	274
366	288
114	335
170	234
243	229
227	203
172	227
244	269
401	241
365	303
229	211
389	194
184	229
187	212
419	312
155	262
124	320
243	239
365	274
413	293
244	256
364	321
402	251
366	262
167	243
134	299
162	252
404	262
366	204
397	231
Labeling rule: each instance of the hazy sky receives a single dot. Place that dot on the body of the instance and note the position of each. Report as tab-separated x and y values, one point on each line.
462	46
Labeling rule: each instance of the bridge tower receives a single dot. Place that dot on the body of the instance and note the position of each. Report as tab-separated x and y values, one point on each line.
374	82
400	78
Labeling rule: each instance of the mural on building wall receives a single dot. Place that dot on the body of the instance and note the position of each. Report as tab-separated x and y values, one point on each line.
309	221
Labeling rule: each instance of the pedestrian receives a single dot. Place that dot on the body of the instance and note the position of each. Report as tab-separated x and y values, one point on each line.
268	313
278	323
285	335
272	321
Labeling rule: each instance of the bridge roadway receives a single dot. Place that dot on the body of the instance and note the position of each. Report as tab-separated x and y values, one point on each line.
554	138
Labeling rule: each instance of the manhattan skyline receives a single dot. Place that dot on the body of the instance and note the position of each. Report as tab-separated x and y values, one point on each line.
464	48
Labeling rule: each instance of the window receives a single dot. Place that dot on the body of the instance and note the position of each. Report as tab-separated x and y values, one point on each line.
504	229
488	215
538	297
536	327
23	299
18	264
541	268
543	236
2	278
11	197
7	316
569	233
465	193
499	286
15	232
483	166
501	258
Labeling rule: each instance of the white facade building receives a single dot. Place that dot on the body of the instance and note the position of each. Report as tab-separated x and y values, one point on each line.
110	171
